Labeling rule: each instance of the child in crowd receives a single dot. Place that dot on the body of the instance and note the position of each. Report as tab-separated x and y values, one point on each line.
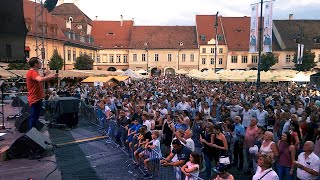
191	168
153	153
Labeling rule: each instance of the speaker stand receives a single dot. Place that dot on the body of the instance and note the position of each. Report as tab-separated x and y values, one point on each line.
2	126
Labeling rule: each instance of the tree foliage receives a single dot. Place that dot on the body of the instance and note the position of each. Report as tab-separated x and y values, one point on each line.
84	62
307	61
18	66
267	61
56	61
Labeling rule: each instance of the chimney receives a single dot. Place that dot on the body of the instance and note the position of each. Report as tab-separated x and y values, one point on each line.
290	16
133	21
96	18
121	20
60	2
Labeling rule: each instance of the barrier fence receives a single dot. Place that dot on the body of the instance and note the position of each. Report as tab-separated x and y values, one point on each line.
116	138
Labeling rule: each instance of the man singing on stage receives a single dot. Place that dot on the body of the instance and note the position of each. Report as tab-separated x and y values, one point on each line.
35	89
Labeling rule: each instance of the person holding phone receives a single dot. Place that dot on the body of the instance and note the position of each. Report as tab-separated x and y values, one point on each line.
35	89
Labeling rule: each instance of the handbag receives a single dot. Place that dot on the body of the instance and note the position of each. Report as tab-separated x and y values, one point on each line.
224	160
265	174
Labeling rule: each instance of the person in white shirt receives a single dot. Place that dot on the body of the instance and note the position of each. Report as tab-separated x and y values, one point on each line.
261	115
183	105
186	139
247	114
264	170
308	163
146	122
235	109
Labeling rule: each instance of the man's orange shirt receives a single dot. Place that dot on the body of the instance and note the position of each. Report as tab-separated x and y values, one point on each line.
35	88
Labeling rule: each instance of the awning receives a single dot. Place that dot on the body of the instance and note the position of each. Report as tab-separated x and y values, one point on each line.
27	48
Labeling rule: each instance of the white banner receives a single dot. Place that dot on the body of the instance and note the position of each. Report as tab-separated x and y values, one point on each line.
267	30
298	54
254	24
301	52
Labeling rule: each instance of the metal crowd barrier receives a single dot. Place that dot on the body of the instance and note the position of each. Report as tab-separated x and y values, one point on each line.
116	136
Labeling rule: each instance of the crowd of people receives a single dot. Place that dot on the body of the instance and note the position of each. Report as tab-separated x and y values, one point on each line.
194	126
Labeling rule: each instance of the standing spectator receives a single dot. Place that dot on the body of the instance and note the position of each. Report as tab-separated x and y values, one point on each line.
183	154
191	168
222	172
264	170
308	163
247	115
261	115
249	138
238	145
287	154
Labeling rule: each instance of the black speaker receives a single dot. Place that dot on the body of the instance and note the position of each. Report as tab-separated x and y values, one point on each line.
22	124
19	101
31	144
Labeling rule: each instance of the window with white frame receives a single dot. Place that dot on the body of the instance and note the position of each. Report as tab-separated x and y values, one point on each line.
156	57
204	50
254	59
111	57
134	57
143	57
244	59
191	57
125	58
211	60
234	59
169	57
288	58
203	60
277	59
220	50
220	60
212	50
98	58
118	58
183	57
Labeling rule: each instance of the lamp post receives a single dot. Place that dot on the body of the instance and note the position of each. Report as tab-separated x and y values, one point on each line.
216	43
180	48
146	48
300	46
260	46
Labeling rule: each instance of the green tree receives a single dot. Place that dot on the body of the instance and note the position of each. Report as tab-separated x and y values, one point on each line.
56	61
267	61
307	61
18	66
84	62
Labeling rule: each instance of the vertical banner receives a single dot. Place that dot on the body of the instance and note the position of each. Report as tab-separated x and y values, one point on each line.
254	23
267	28
298	54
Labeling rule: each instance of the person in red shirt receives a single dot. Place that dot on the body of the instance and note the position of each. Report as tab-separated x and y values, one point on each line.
35	89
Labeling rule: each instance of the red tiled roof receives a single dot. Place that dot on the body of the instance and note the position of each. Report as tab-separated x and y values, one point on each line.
205	26
237	32
110	34
49	20
70	9
164	37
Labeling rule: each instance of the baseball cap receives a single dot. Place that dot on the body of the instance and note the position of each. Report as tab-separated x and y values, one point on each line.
176	141
221	168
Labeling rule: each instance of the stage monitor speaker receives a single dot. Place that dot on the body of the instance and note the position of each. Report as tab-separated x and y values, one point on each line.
22	124
31	144
20	101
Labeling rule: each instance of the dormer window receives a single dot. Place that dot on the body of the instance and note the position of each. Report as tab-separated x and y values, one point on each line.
110	33
317	40
203	37
181	44
239	30
73	36
220	37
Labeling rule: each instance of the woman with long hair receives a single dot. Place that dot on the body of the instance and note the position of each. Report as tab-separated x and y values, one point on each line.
287	154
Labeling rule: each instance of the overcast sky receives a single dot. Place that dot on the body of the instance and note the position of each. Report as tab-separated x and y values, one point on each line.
182	12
